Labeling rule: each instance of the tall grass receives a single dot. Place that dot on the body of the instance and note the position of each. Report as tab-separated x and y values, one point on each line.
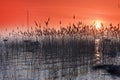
63	54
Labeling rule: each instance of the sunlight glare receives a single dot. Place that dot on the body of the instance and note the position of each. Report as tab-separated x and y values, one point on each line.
98	25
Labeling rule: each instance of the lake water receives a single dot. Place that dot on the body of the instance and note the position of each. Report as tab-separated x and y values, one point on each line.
54	63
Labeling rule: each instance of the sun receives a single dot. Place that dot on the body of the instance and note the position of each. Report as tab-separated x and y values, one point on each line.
98	25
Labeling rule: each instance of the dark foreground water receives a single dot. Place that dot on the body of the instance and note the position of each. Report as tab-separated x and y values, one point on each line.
55	62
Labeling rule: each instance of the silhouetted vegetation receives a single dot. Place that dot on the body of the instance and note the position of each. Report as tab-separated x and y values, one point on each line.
63	53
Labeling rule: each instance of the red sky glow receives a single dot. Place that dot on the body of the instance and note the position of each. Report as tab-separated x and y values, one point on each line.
14	12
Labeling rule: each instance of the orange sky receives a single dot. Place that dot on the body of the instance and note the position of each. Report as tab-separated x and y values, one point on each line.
13	12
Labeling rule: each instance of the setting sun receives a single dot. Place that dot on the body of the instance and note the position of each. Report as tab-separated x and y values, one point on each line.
98	25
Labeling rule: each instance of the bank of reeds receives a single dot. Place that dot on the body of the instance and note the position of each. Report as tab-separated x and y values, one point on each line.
65	53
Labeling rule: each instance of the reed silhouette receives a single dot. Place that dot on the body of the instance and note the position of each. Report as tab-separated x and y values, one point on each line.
65	53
